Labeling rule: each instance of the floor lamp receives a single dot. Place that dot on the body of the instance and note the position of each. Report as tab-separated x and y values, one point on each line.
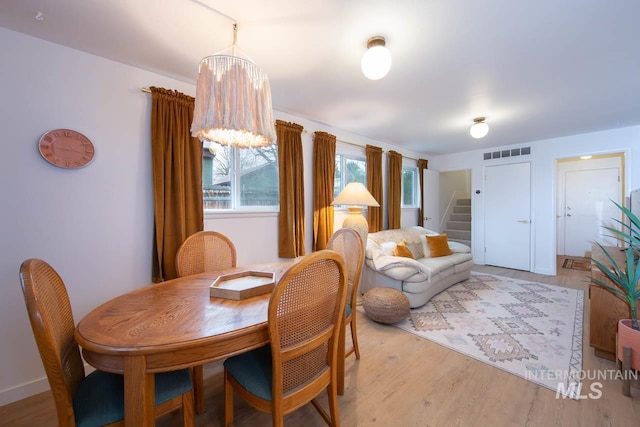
355	196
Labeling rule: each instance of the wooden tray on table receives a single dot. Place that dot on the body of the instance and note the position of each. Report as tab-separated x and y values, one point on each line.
241	285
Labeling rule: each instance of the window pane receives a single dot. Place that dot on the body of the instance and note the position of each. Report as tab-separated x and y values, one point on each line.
216	173
355	171
259	176
337	179
234	178
348	170
409	185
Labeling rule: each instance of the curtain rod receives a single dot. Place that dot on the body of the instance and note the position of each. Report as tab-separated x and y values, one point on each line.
147	90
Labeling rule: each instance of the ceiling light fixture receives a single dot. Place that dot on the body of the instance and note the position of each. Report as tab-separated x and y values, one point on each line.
479	129
233	101
376	61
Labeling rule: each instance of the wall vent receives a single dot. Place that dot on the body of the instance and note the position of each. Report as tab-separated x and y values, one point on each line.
507	153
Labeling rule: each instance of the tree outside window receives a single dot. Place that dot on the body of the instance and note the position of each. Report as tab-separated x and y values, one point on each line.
240	178
348	169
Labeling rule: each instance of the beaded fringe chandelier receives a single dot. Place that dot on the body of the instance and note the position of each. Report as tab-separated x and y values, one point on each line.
233	102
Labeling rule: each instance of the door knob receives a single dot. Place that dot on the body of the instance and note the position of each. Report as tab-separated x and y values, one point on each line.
524	221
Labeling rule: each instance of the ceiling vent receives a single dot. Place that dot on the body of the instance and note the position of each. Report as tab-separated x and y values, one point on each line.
507	153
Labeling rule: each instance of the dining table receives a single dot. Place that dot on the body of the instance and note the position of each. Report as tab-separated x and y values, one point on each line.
173	325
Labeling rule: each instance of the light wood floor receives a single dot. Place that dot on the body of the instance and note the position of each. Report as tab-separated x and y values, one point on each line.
402	380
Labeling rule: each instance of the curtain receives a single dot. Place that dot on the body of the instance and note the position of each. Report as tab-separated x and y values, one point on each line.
374	185
422	165
291	175
324	168
176	160
394	189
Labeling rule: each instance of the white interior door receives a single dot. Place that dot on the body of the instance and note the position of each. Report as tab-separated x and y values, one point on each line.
507	217
431	199
587	207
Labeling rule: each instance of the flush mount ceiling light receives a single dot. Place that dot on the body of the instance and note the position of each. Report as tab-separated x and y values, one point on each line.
233	101
376	61
479	129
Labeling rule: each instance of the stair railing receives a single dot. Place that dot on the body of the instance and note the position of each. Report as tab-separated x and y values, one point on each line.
448	211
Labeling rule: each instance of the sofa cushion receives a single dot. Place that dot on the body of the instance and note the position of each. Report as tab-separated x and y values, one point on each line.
438	245
402	250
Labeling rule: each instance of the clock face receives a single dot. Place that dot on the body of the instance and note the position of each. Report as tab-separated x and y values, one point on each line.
66	148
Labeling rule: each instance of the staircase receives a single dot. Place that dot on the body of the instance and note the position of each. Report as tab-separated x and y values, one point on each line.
459	224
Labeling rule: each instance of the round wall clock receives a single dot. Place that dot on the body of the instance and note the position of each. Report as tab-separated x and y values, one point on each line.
66	148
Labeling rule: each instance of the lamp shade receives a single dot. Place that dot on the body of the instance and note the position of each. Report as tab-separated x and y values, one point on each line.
376	61
355	194
233	103
479	129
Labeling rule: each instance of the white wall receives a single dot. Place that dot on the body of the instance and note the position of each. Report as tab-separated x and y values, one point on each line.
543	160
93	225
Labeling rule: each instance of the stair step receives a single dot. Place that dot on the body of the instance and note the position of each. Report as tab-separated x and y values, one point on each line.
463	202
458	225
458	234
464	242
462	209
460	217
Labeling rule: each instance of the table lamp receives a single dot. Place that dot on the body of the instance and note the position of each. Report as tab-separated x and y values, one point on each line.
355	196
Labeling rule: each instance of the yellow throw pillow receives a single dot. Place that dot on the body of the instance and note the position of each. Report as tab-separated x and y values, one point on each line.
402	250
438	245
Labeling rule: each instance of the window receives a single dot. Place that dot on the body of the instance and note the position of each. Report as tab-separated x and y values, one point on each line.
348	169
240	178
410	190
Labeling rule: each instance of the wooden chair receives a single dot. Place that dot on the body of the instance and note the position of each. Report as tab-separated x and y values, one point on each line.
98	398
347	242
305	316
204	251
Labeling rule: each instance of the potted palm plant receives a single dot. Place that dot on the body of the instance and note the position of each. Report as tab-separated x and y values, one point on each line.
626	279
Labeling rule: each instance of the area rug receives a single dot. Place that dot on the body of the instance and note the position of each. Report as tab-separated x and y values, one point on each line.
577	264
531	330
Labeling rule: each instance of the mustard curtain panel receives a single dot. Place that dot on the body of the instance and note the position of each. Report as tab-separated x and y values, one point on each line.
422	165
291	217
177	178
394	189
374	185
324	168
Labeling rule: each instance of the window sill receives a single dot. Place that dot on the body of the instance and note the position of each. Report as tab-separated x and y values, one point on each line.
222	214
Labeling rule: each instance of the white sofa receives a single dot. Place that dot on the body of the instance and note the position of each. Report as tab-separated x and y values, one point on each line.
420	278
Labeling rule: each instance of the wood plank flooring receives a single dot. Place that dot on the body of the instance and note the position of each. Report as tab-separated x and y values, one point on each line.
403	380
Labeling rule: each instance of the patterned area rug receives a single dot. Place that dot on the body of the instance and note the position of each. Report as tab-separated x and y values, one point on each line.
577	264
529	329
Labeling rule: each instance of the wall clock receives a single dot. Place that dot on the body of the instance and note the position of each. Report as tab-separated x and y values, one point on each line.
66	148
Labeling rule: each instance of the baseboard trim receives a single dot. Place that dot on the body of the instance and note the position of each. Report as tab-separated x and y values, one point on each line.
30	388
24	390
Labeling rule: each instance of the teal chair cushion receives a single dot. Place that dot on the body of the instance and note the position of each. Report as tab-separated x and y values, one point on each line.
99	399
347	310
253	371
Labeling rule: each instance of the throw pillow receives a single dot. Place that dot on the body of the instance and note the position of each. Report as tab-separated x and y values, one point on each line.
402	250
438	245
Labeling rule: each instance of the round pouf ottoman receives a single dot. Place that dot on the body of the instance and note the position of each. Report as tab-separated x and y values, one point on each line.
385	305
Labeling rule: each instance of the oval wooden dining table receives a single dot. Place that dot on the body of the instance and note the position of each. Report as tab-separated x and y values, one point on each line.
169	326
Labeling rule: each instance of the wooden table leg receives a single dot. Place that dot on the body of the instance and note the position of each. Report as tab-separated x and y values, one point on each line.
139	393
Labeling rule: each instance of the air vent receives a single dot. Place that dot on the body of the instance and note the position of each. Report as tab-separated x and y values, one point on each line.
507	153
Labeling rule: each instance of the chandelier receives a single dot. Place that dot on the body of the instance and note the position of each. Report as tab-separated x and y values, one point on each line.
233	101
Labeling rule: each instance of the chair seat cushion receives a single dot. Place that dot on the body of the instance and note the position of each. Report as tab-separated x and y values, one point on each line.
99	399
253	371
347	310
